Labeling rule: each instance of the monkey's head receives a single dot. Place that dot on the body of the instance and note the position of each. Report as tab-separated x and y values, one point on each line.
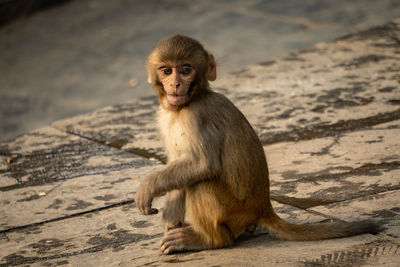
179	69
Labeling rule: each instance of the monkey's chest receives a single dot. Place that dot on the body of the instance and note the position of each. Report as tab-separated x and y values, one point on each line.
176	139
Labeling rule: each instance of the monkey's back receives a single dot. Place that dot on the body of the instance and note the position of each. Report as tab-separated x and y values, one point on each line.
243	163
243	168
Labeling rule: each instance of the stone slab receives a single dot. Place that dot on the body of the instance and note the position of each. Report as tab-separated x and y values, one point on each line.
384	37
337	168
90	55
328	117
47	174
131	127
258	251
47	155
326	90
121	236
321	91
25	206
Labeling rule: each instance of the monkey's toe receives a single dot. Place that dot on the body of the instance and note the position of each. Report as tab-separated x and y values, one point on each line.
170	245
180	239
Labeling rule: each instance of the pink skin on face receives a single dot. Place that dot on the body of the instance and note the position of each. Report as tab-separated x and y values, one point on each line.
176	80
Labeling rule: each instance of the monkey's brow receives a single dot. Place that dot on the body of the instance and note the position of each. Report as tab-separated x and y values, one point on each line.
175	66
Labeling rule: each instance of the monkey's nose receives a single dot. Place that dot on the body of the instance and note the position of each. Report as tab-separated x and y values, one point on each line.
176	84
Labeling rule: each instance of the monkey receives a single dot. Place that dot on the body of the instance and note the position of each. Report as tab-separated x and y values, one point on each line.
216	178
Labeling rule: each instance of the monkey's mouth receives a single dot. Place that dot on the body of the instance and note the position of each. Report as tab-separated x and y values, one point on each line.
176	100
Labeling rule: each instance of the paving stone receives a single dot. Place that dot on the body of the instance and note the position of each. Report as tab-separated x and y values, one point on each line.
322	91
328	118
336	168
50	174
384	38
131	127
121	235
89	51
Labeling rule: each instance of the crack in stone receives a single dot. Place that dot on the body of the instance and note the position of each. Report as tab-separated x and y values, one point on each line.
122	203
63	162
119	143
320	198
366	169
324	130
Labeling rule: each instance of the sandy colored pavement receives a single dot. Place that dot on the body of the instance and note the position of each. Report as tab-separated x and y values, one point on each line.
328	117
88	54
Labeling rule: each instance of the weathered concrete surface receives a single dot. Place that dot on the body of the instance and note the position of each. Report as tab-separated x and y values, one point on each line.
91	52
337	168
47	174
132	127
351	84
131	238
329	119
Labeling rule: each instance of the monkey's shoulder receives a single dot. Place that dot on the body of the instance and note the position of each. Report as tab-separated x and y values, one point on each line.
212	112
211	103
219	109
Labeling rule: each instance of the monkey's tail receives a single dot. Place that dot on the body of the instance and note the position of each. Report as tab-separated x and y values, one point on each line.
282	229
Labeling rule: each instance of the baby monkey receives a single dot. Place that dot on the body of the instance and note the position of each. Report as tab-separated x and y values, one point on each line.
216	179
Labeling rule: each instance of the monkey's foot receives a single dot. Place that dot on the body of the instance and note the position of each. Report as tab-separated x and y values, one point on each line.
181	239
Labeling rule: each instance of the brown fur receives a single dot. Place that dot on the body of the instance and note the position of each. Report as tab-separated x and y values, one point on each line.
217	175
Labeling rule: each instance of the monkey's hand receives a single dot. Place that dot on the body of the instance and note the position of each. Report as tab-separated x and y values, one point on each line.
143	199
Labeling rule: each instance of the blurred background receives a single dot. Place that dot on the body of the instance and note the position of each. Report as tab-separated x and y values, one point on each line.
60	58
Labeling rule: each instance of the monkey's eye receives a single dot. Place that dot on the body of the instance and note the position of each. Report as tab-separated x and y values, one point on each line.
166	71
186	70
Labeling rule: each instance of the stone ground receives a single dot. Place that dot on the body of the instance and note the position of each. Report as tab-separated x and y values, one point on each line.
328	117
88	54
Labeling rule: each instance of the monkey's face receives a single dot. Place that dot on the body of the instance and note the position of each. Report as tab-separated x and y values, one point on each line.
176	80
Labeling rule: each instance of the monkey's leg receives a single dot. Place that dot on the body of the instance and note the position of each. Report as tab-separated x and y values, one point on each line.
174	210
185	239
208	222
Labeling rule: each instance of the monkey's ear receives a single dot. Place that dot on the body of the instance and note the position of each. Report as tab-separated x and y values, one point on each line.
149	78
212	68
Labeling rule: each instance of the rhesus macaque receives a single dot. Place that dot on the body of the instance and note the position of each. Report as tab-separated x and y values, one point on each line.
216	179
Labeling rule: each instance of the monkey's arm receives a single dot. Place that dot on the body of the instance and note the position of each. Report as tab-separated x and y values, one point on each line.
180	173
200	149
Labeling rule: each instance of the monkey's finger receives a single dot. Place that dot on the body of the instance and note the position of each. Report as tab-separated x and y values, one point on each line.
145	210
142	210
138	205
148	210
